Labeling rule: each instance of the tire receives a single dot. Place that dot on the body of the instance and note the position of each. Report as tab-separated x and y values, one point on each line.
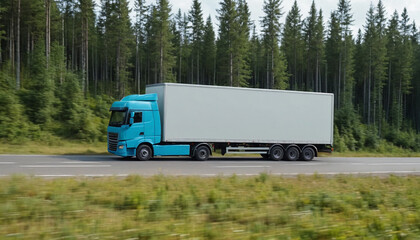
292	154
276	153
143	153
202	153
308	154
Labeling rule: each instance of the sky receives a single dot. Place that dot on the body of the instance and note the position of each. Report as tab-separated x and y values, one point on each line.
359	9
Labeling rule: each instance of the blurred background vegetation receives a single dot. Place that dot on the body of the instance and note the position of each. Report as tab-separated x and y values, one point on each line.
63	62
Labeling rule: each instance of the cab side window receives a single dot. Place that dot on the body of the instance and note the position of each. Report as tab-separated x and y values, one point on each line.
138	117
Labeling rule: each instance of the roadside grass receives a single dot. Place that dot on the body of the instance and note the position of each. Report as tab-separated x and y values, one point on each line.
162	207
56	147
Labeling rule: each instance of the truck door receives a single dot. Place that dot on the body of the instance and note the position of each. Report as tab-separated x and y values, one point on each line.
142	126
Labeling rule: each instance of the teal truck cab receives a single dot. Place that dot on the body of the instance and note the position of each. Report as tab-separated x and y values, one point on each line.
135	130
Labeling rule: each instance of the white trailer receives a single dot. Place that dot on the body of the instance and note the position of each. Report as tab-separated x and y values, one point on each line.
246	120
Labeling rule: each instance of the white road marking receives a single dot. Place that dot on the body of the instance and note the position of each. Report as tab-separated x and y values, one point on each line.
7	162
388	164
350	173
74	162
82	175
242	166
63	166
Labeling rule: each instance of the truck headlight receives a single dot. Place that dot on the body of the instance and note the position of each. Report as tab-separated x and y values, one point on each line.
121	147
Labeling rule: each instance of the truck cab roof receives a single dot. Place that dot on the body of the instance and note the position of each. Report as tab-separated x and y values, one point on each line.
146	102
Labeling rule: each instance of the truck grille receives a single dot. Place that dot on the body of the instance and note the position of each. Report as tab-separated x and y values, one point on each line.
112	141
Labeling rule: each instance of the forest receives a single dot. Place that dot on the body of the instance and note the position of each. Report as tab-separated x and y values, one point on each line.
63	62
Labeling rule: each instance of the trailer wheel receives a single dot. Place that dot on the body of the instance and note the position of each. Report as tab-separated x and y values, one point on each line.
143	153
308	154
202	153
292	153
276	153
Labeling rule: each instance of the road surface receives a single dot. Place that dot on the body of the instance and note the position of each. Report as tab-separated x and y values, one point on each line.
107	165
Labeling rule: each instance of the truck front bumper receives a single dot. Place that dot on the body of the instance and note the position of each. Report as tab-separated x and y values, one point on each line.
122	150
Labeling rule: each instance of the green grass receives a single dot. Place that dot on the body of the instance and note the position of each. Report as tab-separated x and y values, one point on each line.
160	207
56	147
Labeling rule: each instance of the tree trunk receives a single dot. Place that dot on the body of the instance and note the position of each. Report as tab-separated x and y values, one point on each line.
117	69
389	91
136	70
47	31
18	48
180	65
83	53
161	79
62	44
231	68
272	68
317	72
87	55
339	80
28	47
198	67
73	59
268	73
12	39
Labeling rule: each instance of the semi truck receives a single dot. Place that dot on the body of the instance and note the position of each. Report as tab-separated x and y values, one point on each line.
196	120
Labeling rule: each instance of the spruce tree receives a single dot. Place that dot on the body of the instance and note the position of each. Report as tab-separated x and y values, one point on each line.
292	45
275	61
197	27
242	44
166	60
226	42
209	53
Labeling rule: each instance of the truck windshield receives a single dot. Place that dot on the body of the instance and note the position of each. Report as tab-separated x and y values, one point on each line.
117	118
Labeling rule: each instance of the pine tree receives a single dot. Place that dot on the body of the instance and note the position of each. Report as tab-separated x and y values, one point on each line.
209	53
86	8
345	76
196	19
226	41
256	60
161	30
375	43
319	52
182	46
242	56
292	45
406	60
332	47
140	9
271	30
310	47
393	44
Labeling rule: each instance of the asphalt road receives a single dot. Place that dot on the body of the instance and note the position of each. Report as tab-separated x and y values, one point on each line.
106	165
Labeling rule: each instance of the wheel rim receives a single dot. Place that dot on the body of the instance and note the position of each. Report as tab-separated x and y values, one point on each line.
293	154
144	153
308	154
277	153
202	154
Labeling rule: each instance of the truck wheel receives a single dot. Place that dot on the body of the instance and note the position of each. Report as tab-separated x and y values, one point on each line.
202	153
277	153
143	153
308	154
292	153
